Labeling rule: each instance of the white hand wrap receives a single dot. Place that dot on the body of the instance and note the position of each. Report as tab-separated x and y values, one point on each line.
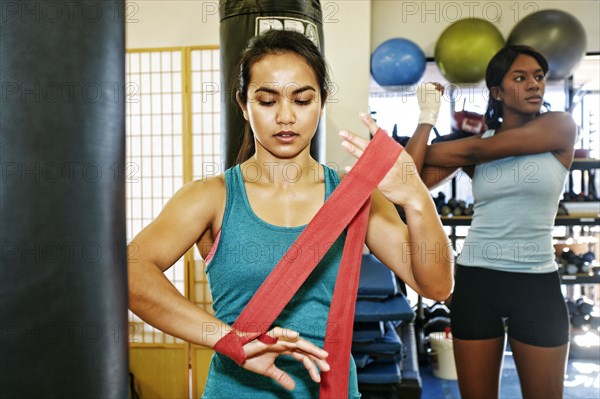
429	99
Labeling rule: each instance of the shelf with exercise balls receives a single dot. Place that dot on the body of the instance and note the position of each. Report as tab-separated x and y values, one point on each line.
464	49
397	62
556	34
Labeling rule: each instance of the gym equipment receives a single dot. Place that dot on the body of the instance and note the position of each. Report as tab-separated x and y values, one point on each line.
439	309
380	373
454	207
464	49
390	344
464	124
386	362
368	332
395	308
63	275
362	360
571	306
376	280
582	313
240	21
573	263
578	319
571	268
585	305
556	34
397	62
468	122
436	324
588	257
379	297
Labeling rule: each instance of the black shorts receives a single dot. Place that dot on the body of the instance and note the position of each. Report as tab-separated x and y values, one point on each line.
531	304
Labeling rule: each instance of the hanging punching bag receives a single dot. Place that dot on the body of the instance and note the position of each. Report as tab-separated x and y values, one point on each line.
240	21
63	288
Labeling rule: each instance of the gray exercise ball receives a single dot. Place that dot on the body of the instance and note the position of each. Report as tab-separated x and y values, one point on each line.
556	34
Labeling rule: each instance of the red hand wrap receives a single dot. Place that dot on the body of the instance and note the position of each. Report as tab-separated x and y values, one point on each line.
232	344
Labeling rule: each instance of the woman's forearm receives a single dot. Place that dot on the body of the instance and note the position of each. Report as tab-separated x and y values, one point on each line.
429	248
155	300
417	145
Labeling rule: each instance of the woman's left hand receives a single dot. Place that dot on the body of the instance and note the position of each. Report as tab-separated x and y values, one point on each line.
401	184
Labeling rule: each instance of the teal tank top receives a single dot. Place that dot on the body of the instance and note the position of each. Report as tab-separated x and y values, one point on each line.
247	251
516	200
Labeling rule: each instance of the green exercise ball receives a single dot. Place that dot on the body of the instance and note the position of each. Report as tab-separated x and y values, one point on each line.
464	49
556	34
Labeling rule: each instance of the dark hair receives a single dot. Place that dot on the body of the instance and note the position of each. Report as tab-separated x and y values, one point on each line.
270	43
498	68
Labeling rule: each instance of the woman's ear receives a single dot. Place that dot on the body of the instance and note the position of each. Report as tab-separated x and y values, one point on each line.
496	93
242	105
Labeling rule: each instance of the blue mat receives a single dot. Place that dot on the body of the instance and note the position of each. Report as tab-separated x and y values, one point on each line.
368	332
395	308
380	373
376	280
362	360
390	344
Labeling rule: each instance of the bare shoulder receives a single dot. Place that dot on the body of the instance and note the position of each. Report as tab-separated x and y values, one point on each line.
199	196
559	120
562	126
212	185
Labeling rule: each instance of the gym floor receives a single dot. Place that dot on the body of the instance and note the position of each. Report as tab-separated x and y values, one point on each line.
582	381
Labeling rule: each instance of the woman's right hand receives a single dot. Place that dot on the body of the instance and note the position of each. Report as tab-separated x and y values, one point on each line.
429	96
402	184
260	357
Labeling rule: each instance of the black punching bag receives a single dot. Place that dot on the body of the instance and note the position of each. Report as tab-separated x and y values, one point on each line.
240	21
63	287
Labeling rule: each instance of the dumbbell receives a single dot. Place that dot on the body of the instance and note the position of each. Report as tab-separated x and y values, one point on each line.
578	319
582	314
571	306
584	305
440	201
588	257
469	210
436	324
438	309
574	264
571	268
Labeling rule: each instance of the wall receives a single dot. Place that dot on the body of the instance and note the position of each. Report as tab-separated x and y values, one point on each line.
347	27
171	23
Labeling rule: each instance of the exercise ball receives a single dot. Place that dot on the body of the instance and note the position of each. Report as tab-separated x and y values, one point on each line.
397	62
556	34
464	49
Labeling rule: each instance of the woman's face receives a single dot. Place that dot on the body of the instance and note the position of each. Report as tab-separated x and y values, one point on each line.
284	105
523	87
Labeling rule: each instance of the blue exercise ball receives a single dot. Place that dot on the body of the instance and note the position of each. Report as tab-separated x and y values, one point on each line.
556	34
397	62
